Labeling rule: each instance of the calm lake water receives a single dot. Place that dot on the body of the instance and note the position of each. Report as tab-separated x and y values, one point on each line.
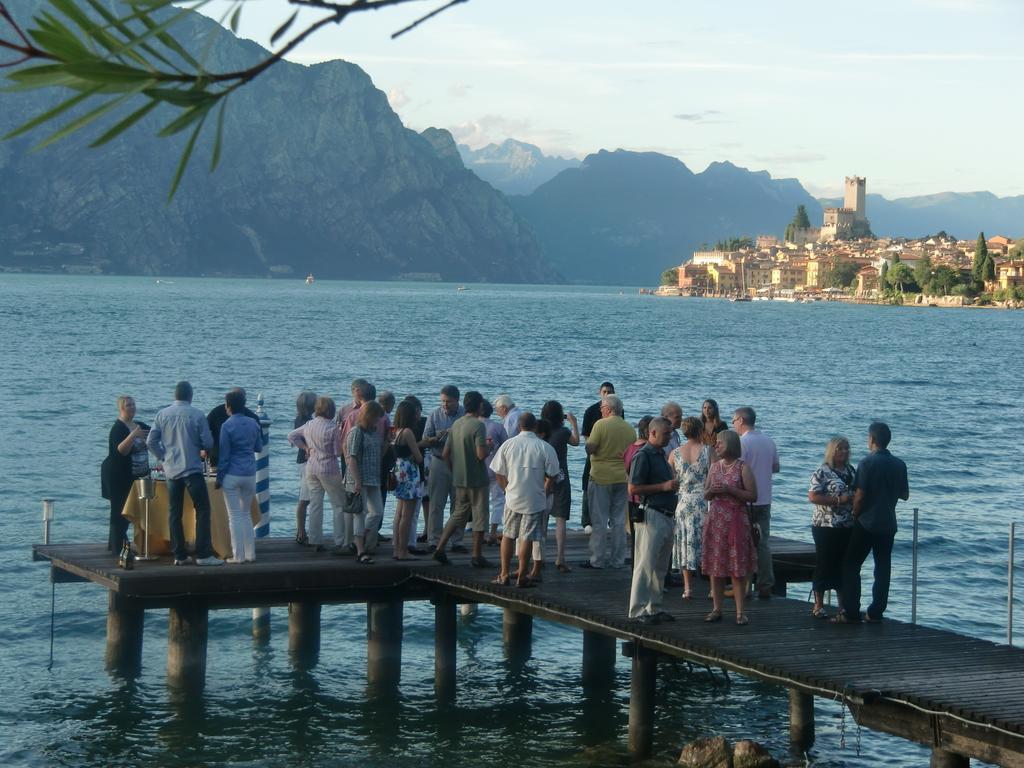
947	381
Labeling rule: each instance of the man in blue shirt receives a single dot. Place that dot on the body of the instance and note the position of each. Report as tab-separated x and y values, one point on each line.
179	435
881	481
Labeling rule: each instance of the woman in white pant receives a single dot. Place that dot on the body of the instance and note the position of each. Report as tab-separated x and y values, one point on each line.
241	438
321	438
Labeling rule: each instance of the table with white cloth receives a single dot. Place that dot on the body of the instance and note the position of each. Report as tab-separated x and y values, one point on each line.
159	532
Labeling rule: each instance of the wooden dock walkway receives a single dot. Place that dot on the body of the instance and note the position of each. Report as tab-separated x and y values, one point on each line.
962	696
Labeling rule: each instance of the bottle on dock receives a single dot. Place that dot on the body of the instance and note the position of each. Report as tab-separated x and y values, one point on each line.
127	558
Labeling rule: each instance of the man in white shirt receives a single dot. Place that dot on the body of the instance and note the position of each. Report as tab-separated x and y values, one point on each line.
762	456
672	411
509	414
525	467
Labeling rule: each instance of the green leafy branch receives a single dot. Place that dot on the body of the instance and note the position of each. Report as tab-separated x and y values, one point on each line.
115	61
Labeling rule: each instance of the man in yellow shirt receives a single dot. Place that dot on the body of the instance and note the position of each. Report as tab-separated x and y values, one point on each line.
606	493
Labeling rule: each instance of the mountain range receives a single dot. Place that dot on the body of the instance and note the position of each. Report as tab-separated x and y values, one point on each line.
318	174
623	217
514	167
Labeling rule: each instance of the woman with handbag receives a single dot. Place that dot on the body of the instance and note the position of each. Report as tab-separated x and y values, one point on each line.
831	493
363	451
728	549
127	459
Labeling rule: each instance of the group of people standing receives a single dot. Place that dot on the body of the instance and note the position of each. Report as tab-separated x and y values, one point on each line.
698	502
183	441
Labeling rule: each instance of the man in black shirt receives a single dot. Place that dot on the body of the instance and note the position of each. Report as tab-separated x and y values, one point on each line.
216	419
651	478
590	417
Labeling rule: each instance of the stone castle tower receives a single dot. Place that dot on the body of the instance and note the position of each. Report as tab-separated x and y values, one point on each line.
854	197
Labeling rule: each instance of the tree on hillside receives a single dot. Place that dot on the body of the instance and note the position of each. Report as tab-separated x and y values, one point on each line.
843	274
800	221
980	257
988	269
943	280
125	66
734	244
670	276
923	271
899	276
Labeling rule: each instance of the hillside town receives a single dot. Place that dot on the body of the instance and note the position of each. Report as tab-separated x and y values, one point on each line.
842	260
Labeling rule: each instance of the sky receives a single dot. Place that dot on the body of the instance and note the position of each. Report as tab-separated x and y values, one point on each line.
919	96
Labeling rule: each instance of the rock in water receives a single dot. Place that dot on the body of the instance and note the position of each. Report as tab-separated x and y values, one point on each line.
750	754
713	752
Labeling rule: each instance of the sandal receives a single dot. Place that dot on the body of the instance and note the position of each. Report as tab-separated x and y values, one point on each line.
687	594
502	582
365	559
563	568
713	616
526	583
819	613
301	539
742	620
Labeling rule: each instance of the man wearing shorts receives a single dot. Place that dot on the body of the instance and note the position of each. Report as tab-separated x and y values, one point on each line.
525	467
464	453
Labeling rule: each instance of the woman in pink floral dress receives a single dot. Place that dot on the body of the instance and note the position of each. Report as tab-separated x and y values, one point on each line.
728	551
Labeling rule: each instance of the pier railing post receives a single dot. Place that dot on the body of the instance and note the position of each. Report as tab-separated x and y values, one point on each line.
1009	587
641	701
187	630
801	720
445	645
304	631
913	572
598	657
125	622
384	642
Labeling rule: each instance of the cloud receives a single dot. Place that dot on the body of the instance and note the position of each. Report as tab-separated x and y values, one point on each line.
494	129
697	117
790	158
398	98
459	90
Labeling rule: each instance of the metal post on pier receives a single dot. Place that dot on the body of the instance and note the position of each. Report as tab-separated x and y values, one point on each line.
913	572
261	616
1009	587
47	519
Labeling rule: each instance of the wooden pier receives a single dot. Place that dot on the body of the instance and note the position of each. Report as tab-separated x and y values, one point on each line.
962	696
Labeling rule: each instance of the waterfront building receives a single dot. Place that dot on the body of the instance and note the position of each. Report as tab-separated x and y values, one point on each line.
1010	274
850	221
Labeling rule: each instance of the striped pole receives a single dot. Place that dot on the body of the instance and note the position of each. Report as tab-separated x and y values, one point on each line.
261	616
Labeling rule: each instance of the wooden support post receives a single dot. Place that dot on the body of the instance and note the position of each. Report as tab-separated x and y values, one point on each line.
779	588
125	621
598	657
384	642
445	636
941	758
801	720
261	625
517	632
186	643
304	630
641	702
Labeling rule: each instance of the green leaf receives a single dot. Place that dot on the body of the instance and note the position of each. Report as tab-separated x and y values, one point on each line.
107	72
215	160
83	120
184	160
64	106
153	29
61	43
125	124
39	77
186	119
126	31
283	28
169	42
181	97
235	17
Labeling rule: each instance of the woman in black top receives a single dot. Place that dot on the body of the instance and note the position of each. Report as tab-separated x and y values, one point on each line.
408	485
304	405
711	421
126	460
